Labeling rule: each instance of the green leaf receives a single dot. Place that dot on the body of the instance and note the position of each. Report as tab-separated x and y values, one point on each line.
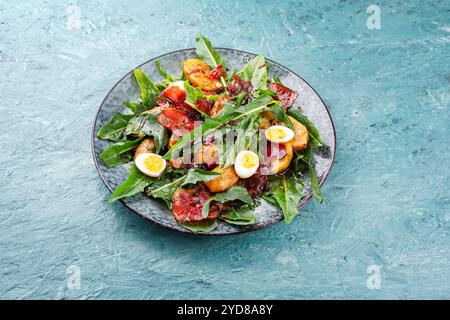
212	124
275	80
147	124
255	71
312	173
240	97
286	195
192	95
139	106
246	137
234	193
199	175
207	53
114	129
307	157
299	159
201	226
133	106
280	114
212	97
147	87
135	183
312	130
241	216
268	197
227	107
120	153
149	93
163	189
163	72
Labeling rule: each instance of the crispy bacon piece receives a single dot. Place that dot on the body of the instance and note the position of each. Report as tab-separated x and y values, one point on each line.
284	94
188	204
217	73
203	105
177	121
162	102
175	94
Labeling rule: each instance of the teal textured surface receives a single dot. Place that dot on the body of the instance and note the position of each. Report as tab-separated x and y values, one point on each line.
387	210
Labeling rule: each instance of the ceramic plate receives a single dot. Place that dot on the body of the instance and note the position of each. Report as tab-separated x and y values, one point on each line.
309	102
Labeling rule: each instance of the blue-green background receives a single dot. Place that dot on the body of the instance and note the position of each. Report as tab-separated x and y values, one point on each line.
387	199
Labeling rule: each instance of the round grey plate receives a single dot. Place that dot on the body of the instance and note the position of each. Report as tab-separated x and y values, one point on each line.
309	102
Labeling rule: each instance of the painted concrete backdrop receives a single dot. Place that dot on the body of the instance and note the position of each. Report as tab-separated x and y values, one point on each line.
384	231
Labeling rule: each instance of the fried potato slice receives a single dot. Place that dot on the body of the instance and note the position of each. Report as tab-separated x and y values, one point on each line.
198	73
207	154
176	163
301	135
279	165
227	179
173	139
146	146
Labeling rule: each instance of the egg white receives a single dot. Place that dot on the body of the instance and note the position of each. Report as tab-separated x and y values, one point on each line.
139	161
242	171
288	132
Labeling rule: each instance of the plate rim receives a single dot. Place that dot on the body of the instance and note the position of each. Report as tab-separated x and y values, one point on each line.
307	198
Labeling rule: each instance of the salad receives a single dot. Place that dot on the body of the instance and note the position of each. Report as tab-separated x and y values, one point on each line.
213	141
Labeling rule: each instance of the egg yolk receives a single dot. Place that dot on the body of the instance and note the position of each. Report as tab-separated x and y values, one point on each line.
153	163
276	134
249	160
